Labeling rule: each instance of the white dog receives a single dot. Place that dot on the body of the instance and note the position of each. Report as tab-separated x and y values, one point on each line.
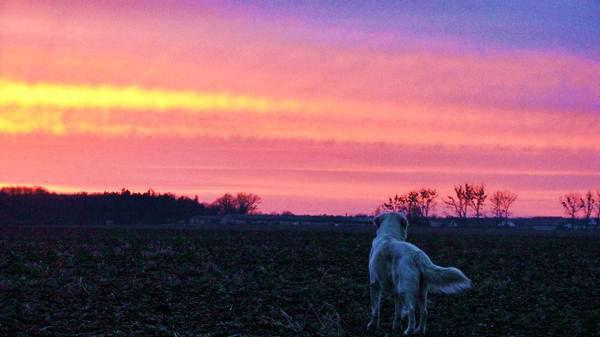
405	271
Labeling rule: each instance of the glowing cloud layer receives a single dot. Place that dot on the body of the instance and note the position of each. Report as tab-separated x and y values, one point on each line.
113	110
131	98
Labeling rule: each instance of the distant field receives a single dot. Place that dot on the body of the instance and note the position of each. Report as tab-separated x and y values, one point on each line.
143	282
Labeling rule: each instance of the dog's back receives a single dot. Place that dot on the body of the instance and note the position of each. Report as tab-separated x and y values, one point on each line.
400	266
391	261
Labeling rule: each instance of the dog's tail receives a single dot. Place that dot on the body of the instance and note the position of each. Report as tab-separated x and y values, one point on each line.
439	279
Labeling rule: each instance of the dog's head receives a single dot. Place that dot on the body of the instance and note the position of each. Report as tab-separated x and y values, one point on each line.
395	222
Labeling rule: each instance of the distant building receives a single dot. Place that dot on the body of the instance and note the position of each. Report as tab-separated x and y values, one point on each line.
544	228
287	220
434	223
507	223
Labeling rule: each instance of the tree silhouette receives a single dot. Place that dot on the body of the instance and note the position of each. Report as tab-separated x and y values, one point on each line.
598	207
427	198
242	203
247	203
572	203
36	205
589	204
501	202
459	202
393	204
415	204
226	204
476	198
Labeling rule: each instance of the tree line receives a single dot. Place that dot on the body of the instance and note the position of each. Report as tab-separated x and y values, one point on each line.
36	205
467	200
473	200
578	205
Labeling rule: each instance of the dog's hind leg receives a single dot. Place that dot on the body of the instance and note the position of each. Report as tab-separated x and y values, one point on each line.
397	323
410	297
422	308
375	289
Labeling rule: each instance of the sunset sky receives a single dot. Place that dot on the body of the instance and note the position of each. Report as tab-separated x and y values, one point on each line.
318	107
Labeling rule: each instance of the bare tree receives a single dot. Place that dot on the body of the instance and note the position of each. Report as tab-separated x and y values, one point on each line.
415	204
572	204
393	204
598	207
476	197
589	204
247	203
226	204
502	201
427	198
459	203
405	203
242	203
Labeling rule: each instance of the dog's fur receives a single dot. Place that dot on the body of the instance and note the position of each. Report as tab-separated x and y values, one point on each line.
405	271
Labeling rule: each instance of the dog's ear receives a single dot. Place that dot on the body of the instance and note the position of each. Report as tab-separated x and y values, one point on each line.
378	219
